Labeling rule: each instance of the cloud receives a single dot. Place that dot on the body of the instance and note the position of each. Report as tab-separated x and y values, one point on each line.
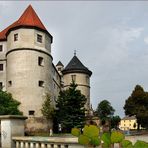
146	40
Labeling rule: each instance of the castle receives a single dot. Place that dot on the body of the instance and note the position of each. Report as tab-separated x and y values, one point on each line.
26	67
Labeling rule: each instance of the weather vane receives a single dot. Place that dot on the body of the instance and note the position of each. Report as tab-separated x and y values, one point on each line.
75	52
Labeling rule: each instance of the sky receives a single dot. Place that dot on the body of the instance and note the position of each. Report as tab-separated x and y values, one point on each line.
110	37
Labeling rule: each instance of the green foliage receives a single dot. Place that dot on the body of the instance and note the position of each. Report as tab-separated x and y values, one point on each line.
84	140
91	131
106	138
90	135
115	121
75	132
47	107
117	137
8	105
141	144
126	144
95	141
70	108
137	104
105	110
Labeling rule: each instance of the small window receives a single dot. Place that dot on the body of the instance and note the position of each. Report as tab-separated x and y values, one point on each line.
59	69
9	83
73	77
1	48
87	79
41	83
39	38
1	67
1	85
15	37
31	112
40	61
55	98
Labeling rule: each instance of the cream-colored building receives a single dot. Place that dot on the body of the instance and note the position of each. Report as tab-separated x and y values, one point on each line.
26	67
128	123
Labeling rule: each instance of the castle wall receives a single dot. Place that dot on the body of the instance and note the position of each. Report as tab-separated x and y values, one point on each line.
3	61
56	84
24	73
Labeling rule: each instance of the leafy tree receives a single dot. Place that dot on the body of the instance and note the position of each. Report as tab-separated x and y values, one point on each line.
47	107
70	110
137	104
115	122
105	110
8	106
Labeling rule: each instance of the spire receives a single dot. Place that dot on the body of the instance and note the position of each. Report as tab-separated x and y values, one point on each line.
29	18
60	64
75	52
75	65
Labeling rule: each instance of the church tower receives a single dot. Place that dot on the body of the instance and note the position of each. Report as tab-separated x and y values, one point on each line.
28	74
76	71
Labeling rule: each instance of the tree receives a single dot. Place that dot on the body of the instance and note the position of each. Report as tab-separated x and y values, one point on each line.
105	110
115	122
8	105
47	107
70	110
137	104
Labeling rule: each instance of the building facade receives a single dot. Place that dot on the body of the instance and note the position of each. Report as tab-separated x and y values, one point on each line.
26	67
128	123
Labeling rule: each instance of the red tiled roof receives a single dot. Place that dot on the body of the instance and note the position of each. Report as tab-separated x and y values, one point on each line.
28	18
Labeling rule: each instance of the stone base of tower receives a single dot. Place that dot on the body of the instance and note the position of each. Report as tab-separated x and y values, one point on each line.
37	125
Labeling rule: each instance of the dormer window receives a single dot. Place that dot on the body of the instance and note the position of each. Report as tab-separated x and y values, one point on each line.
39	38
16	37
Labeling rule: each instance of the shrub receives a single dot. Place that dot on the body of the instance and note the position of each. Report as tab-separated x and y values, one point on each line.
117	137
141	144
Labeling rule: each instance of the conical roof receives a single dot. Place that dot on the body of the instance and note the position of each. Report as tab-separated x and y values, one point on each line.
28	19
60	64
75	65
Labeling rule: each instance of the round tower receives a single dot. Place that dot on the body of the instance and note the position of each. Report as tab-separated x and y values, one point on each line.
77	72
29	62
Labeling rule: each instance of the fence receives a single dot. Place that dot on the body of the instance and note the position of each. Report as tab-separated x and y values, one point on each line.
46	142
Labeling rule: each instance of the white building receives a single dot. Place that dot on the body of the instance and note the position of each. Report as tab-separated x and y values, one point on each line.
26	67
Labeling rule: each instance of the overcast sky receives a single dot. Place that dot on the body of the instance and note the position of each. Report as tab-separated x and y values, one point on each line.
111	39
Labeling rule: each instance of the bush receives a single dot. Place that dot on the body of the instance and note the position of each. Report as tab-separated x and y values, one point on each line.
91	137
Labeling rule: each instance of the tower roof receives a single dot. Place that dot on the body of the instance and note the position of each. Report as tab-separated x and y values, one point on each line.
75	65
60	64
28	19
